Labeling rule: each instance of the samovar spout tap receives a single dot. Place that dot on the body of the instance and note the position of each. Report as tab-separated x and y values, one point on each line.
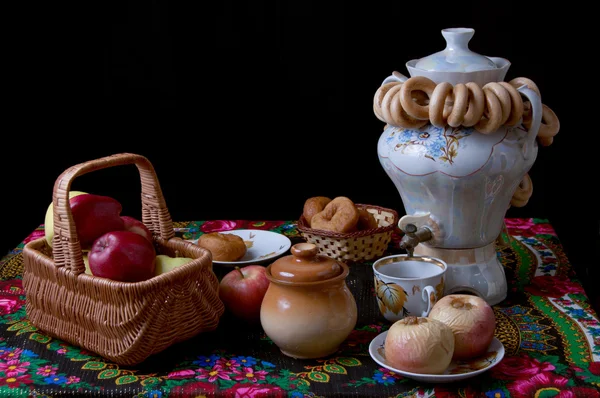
413	236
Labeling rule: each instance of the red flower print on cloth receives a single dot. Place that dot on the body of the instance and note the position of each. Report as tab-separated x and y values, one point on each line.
15	381
181	374
520	367
12	354
217	372
13	368
582	392
527	228
73	380
448	392
519	226
552	286
548	384
227	363
247	390
594	368
217	226
195	389
264	225
9	304
543	229
47	370
358	337
34	235
251	375
12	286
10	291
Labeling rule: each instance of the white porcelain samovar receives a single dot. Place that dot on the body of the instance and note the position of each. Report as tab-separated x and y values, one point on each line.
458	143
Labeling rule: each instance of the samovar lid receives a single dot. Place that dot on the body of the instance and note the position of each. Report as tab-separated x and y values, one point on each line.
456	57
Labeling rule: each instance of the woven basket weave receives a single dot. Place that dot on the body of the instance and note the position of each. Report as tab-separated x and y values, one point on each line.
355	246
124	322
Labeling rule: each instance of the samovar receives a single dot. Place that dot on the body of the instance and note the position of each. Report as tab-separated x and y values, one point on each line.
458	143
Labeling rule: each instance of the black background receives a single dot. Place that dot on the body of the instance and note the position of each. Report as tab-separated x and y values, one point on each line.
247	109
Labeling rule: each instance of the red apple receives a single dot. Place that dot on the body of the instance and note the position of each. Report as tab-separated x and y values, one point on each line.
95	215
135	225
122	256
242	291
472	321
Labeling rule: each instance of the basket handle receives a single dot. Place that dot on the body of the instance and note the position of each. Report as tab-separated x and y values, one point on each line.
66	247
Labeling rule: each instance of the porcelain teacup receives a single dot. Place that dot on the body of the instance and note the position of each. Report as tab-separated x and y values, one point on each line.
406	285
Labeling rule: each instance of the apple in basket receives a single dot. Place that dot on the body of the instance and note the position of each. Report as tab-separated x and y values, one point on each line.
49	219
95	215
242	291
123	256
166	263
86	263
135	225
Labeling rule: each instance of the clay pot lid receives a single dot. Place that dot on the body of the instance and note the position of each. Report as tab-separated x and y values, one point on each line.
305	265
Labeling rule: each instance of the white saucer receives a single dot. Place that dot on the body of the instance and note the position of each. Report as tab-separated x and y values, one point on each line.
457	370
262	246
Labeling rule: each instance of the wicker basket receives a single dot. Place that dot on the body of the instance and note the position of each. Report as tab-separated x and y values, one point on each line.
355	246
124	322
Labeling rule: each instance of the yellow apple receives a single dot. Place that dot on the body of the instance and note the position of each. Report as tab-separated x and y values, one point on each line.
87	264
166	263
49	220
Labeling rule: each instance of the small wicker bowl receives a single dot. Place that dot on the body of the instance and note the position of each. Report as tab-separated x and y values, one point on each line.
356	246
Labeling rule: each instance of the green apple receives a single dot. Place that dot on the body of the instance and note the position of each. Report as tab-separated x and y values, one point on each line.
166	263
49	220
86	262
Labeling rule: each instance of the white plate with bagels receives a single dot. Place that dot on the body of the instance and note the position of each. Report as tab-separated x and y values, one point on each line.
457	370
244	246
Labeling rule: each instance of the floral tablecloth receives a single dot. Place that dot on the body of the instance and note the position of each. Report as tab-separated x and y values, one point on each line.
549	330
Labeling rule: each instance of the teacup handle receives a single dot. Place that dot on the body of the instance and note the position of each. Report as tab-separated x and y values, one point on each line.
427	294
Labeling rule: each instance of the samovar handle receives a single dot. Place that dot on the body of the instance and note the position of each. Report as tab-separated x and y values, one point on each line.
536	118
395	77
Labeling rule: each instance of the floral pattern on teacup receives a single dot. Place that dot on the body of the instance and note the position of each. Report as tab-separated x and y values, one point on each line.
439	290
390	297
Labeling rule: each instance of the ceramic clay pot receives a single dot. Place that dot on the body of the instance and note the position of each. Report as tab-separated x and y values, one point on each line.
308	310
